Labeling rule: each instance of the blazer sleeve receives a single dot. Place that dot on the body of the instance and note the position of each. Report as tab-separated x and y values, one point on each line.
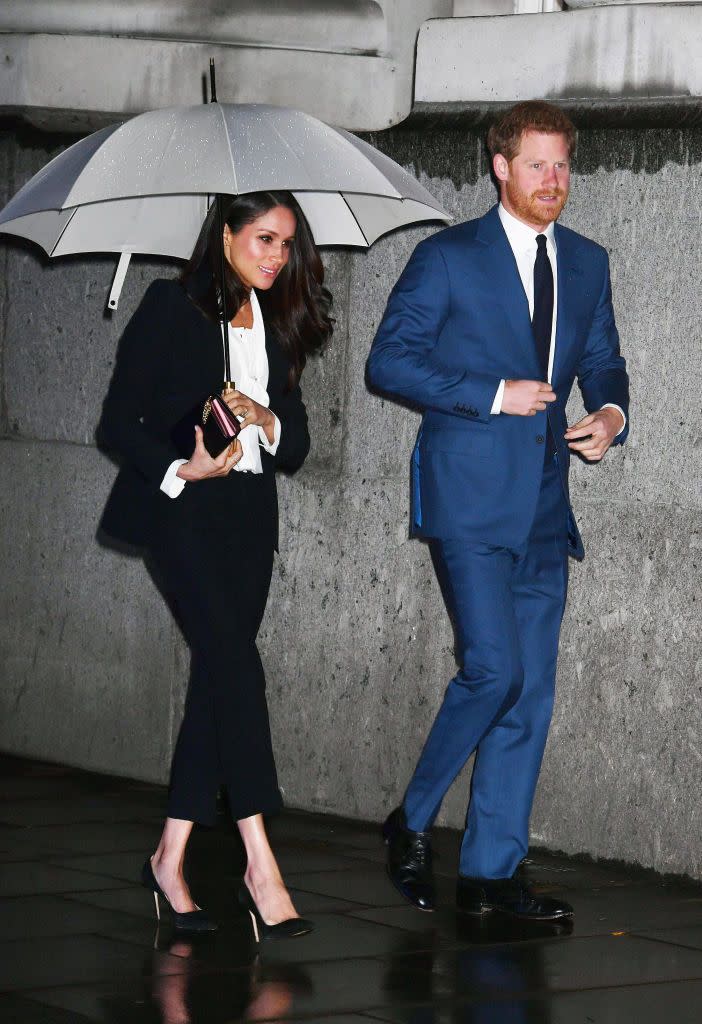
402	359
294	433
601	370
141	357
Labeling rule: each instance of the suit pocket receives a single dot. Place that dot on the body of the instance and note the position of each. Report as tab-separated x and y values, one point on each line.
470	441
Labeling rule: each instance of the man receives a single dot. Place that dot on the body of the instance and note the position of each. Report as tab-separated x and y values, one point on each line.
485	331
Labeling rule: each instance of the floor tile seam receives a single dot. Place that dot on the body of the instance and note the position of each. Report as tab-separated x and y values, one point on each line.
79	872
316	961
95	794
31	830
462	944
450	944
384	924
201	967
29	798
341	850
317	871
51	858
346	899
108	910
443	1002
66	893
191	963
119	974
25	860
93	933
669	942
78	1018
333	849
70	898
73	855
131	882
622	985
503	995
65	823
53	862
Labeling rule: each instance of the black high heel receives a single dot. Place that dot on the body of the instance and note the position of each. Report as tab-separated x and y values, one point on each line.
289	929
192	921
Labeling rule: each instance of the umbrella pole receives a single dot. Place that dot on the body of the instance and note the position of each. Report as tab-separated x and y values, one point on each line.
228	382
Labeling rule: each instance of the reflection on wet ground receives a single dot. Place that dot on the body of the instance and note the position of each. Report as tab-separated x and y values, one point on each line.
78	941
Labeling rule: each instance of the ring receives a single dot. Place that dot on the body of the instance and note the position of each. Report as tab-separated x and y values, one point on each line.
245	413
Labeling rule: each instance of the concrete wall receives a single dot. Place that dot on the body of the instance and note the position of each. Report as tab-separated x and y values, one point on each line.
77	65
356	642
612	57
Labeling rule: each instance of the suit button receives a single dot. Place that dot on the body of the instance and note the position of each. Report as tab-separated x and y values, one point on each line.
539	438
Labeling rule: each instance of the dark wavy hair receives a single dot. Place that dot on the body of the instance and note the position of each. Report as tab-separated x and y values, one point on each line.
297	305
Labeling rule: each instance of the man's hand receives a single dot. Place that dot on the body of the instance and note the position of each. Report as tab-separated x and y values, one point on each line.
526	397
596	433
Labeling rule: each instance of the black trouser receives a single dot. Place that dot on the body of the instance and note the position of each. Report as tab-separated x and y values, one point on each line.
218	580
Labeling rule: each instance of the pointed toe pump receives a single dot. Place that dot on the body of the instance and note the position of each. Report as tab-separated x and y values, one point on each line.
192	921
290	929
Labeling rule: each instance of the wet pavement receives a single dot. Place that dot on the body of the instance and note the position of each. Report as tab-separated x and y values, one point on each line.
78	940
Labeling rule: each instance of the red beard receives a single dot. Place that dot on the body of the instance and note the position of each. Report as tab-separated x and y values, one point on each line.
527	207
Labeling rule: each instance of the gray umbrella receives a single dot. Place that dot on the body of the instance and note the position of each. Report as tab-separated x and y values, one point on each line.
145	186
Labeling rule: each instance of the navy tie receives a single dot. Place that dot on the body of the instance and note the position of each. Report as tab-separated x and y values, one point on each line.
542	319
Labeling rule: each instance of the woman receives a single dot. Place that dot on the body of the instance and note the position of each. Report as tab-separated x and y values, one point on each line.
210	525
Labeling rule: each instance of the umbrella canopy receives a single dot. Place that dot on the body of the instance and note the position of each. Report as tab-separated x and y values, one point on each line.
144	186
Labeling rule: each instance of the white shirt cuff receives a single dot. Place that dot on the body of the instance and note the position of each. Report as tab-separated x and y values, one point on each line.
497	403
265	443
611	405
171	484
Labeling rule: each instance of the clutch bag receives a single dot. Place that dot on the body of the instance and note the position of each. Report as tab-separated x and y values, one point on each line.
219	427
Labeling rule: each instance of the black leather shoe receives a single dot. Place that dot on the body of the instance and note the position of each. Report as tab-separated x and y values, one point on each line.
410	861
511	896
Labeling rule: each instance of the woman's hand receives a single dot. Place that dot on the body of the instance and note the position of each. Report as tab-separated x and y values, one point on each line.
253	413
201	465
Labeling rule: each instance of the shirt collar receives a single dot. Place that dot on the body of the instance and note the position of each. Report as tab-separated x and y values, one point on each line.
520	235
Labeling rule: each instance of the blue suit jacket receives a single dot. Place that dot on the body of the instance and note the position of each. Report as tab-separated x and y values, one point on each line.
456	323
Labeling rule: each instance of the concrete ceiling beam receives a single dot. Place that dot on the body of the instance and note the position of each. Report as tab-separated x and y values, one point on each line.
607	63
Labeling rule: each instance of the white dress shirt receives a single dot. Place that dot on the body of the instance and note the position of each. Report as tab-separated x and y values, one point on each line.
522	240
249	370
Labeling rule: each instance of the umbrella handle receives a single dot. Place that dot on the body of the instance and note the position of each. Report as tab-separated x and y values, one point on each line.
118	280
223	293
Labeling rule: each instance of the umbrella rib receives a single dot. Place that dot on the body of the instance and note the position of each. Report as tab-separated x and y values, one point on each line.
298	159
358	224
229	147
54	247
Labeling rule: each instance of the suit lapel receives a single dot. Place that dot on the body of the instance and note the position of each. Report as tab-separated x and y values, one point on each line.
569	279
509	293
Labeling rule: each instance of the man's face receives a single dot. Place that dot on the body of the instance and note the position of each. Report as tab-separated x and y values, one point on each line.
534	185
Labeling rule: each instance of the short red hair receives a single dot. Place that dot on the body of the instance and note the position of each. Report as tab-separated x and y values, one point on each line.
505	135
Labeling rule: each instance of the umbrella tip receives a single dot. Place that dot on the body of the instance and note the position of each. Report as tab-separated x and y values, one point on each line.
213	82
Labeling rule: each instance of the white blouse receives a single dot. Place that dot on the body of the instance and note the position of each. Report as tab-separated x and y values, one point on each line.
249	370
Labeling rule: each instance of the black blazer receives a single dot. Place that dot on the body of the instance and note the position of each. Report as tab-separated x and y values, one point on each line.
169	359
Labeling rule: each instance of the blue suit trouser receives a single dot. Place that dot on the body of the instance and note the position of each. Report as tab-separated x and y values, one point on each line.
507	605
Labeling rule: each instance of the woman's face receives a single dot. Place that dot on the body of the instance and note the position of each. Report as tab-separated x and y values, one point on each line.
260	250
